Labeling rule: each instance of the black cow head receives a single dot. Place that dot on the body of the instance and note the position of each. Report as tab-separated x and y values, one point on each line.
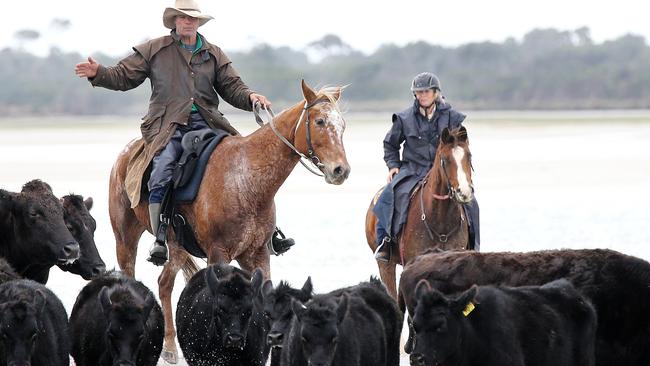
234	295
277	307
19	328
126	316
319	327
438	323
82	227
35	217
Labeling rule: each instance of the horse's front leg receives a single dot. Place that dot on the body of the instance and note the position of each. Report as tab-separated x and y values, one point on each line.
165	288
387	274
258	257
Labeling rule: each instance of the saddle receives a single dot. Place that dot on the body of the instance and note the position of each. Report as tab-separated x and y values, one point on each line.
186	180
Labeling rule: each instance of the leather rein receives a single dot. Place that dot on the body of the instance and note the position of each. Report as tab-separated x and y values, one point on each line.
442	238
310	148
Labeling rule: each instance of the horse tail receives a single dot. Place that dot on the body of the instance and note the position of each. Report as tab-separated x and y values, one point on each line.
189	268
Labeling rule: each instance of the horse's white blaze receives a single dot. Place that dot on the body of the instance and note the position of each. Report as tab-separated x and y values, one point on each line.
334	117
463	181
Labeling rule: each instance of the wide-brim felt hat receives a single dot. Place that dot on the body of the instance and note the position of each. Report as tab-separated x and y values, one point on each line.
184	7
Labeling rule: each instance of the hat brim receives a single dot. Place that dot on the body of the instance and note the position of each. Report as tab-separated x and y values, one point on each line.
171	13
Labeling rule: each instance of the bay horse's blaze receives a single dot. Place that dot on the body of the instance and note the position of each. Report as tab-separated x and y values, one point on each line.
233	215
435	215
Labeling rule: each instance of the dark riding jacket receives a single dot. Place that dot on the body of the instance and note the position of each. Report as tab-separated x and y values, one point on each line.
178	80
420	138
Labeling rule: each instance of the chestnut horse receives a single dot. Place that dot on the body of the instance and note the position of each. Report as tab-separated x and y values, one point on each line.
233	215
435	216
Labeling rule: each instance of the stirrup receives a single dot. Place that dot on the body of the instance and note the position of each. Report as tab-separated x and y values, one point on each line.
158	254
279	244
383	254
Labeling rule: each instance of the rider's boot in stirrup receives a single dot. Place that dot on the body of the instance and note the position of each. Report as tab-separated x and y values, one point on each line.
382	254
279	243
158	253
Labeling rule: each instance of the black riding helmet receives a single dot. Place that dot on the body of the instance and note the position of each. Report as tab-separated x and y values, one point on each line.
425	81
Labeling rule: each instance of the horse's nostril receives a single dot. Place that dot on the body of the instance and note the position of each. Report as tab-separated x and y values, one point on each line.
338	171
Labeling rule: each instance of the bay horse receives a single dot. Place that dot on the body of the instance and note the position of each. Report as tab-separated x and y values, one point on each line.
233	215
435	218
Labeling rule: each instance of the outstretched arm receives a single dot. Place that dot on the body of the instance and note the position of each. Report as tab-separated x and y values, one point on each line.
127	74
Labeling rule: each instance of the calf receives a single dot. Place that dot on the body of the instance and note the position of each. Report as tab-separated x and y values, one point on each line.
220	320
335	329
33	235
76	214
277	308
377	298
618	286
116	321
551	325
33	326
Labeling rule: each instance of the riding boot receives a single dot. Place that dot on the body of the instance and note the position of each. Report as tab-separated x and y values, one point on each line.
279	244
158	252
382	254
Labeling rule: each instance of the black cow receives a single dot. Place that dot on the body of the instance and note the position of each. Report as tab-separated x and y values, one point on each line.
7	272
82	227
33	235
377	298
616	284
277	308
116	321
220	320
33	326
551	325
336	329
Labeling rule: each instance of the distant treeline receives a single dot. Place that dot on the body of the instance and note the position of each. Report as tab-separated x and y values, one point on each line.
547	69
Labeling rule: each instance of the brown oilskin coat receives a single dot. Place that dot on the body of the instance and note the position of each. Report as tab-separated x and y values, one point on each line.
178	80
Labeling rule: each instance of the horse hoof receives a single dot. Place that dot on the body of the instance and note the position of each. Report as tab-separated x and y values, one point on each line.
169	357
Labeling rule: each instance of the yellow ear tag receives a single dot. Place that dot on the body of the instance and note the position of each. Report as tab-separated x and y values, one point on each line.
468	309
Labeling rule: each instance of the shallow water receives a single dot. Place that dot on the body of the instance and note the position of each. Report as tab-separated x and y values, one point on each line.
543	181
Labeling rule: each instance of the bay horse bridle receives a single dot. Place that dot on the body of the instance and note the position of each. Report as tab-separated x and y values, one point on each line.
451	192
313	158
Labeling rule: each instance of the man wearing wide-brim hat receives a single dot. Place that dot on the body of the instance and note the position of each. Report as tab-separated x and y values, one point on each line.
187	74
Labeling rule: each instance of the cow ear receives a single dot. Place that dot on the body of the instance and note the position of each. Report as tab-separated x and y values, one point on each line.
298	308
105	300
6	206
148	305
465	302
88	202
462	134
308	93
446	137
212	280
307	288
267	288
422	288
256	280
39	301
342	309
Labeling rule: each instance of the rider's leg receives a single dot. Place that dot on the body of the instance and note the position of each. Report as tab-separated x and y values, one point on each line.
383	210
472	212
161	174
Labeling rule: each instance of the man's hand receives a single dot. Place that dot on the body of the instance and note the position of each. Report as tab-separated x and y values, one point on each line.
87	69
391	174
258	98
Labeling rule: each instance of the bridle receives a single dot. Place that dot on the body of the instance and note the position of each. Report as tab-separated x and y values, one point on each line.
311	153
451	192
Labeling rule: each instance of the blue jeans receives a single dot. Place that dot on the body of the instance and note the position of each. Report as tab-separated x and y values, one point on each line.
164	162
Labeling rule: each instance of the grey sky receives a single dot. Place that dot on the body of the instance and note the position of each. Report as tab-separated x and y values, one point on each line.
114	26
